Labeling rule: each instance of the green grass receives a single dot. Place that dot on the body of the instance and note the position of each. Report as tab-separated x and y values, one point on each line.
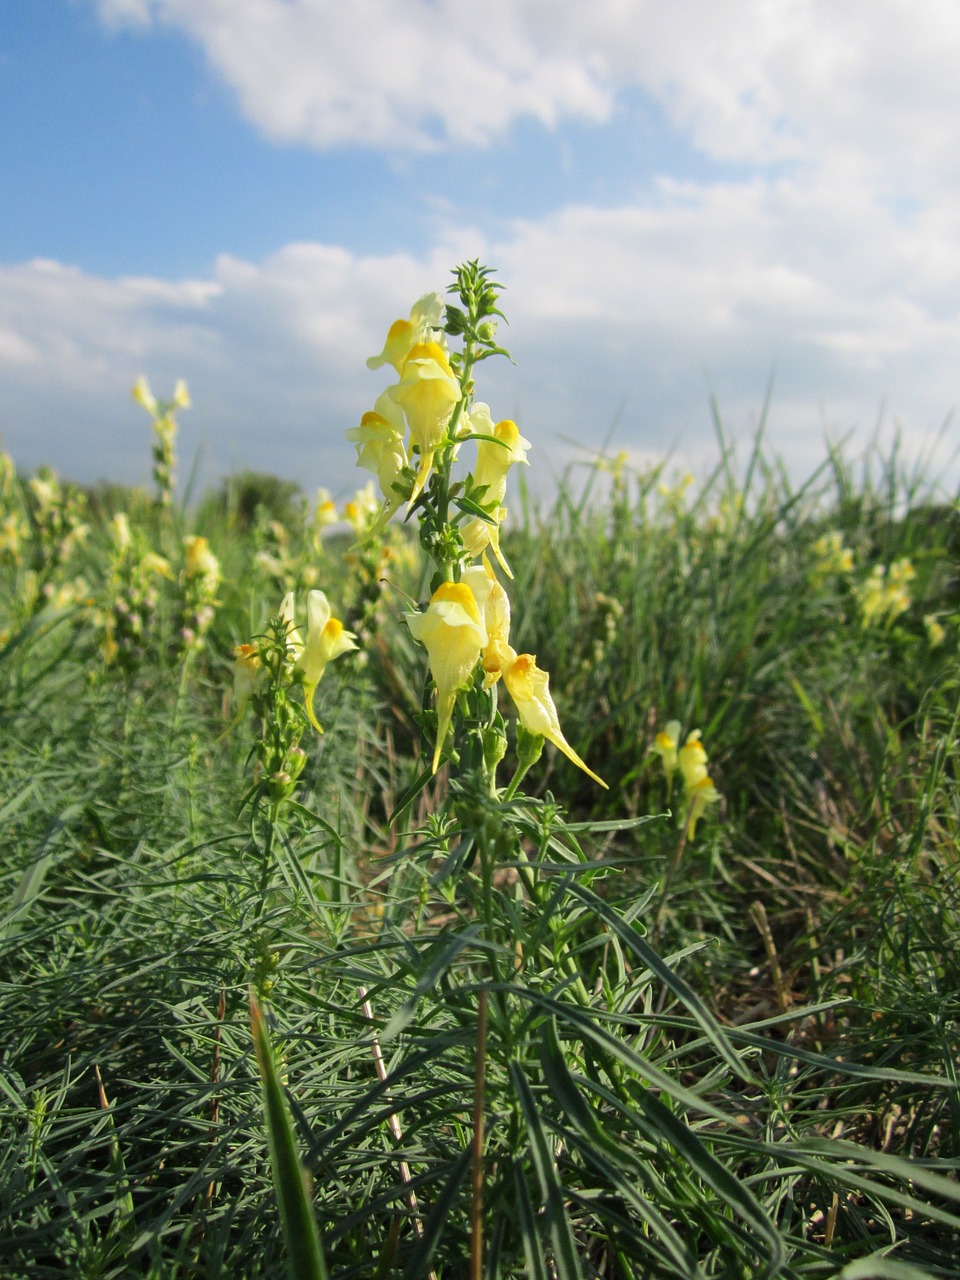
731	1056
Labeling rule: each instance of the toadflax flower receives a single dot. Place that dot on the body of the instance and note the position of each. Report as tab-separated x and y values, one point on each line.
698	785
494	459
454	634
701	794
246	672
380	449
326	639
692	759
426	316
529	687
200	563
428	392
665	745
494	604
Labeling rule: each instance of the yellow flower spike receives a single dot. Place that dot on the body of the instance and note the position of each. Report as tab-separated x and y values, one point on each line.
665	745
702	794
428	392
529	687
692	759
326	639
452	630
425	316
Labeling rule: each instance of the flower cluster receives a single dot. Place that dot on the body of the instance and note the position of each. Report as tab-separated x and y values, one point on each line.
832	557
884	596
691	760
199	580
468	623
410	440
298	661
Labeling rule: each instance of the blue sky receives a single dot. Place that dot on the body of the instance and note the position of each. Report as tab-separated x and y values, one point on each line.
683	201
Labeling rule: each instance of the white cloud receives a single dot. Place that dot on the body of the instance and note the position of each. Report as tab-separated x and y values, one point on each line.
640	311
866	90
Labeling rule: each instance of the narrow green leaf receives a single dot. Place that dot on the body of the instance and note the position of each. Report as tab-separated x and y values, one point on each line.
672	980
289	1176
566	1262
419	1263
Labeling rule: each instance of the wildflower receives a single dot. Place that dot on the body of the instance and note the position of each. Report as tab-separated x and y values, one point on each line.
529	687
144	396
325	511
936	631
494	604
45	495
428	393
454	634
13	533
200	563
380	448
153	563
425	317
701	794
692	759
493	462
120	534
832	556
665	745
362	509
246	672
326	639
884	596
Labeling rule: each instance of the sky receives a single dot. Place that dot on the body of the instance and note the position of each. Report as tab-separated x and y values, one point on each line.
688	204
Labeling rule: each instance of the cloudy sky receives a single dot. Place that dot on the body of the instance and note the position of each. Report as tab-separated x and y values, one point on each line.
684	201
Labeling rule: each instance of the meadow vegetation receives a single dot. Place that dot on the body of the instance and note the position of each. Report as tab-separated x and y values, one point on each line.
702	1020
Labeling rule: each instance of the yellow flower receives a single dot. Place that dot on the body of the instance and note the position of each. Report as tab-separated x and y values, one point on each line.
326	639
144	396
529	687
692	759
702	794
665	745
379	441
120	534
246	670
154	563
493	463
832	556
494	604
425	316
362	508
325	510
452	630
200	562
428	393
936	631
